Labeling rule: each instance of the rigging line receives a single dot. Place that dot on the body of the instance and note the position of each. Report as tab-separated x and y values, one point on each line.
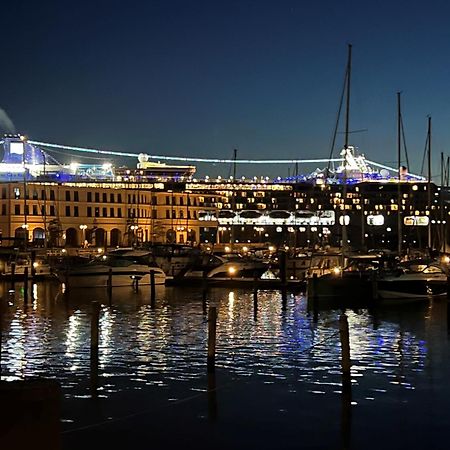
187	159
404	142
75	155
420	177
362	130
53	159
424	154
341	101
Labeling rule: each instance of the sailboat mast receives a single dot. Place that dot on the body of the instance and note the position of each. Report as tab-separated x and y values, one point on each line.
429	182
347	106
399	159
347	124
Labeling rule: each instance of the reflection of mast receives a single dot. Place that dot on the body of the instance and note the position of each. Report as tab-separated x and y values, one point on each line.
429	181
399	200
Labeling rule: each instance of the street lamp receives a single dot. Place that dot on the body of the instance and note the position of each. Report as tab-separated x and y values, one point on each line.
25	233
83	229
133	228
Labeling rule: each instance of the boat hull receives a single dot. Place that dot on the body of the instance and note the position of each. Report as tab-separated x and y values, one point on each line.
86	279
410	288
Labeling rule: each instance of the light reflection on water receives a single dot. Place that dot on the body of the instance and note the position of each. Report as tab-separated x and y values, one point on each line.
50	337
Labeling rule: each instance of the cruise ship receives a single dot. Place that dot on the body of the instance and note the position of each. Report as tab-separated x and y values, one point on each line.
45	203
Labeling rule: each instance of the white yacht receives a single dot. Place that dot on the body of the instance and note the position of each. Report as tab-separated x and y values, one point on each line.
126	266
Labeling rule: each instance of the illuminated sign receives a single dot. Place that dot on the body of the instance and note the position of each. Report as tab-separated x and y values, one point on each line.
240	186
16	148
421	221
375	220
275	217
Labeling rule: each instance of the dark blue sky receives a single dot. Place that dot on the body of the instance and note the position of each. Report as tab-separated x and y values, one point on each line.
200	78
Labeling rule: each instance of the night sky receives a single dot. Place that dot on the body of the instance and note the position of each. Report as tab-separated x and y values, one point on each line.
200	78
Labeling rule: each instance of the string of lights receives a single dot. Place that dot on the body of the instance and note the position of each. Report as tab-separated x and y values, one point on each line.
207	160
184	158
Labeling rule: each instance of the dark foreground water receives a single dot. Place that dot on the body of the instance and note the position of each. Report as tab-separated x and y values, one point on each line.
277	383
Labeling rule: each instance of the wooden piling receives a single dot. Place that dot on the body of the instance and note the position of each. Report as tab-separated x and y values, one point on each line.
345	352
66	282
13	274
212	327
374	282
25	284
282	262
95	319
109	285
152	288
283	277
33	260
255	296
1	336
136	284
212	397
204	292
312	296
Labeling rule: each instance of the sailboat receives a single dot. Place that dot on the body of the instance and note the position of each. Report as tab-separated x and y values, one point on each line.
353	278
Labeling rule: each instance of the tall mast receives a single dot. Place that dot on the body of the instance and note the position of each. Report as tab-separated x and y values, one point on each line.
347	123
25	192
233	197
399	159
429	181
45	203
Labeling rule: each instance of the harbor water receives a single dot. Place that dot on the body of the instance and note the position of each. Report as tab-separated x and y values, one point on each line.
277	383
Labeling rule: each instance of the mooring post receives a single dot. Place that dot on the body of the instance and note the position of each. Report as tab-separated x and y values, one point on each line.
212	327
212	398
66	282
345	352
109	285
25	284
13	274
204	292
448	288
33	261
1	336
152	289
282	259
95	319
374	281
312	296
255	295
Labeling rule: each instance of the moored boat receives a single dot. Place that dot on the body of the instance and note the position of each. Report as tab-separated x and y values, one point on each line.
125	269
418	279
